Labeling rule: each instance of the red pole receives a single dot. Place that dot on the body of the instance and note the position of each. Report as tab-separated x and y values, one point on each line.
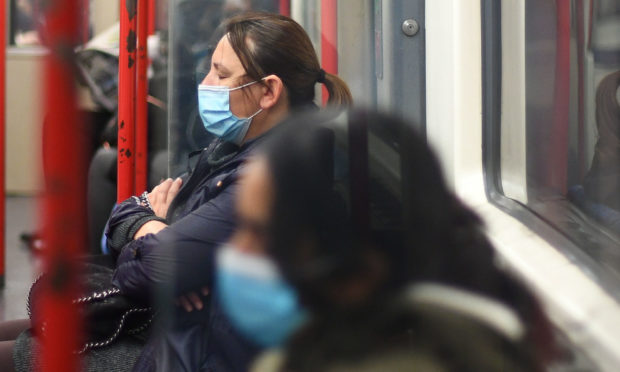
151	10
141	106
85	18
2	135
559	150
285	7
64	230
126	100
329	39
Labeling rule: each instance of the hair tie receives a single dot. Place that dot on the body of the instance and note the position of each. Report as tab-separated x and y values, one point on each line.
321	77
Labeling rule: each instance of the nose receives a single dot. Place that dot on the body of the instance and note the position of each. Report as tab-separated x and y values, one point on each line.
208	79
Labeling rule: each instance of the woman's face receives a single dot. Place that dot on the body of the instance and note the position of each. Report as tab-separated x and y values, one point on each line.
227	70
254	202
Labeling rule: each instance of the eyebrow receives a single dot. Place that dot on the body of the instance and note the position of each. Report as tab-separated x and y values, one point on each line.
221	68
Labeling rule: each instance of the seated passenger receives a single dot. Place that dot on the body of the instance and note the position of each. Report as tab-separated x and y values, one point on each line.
599	196
351	254
262	68
602	183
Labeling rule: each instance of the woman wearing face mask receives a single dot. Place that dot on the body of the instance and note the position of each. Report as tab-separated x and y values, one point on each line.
262	68
347	261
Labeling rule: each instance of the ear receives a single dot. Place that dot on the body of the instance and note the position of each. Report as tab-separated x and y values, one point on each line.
273	91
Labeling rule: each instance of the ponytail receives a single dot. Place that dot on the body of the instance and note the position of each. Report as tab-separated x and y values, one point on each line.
339	93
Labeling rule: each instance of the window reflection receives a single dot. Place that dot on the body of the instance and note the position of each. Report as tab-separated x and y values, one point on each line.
568	166
599	193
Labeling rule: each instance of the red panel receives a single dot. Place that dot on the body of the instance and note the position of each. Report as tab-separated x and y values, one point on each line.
559	142
141	105
64	228
329	39
126	100
2	135
285	7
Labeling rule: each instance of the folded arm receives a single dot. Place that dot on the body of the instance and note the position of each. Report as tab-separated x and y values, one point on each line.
180	255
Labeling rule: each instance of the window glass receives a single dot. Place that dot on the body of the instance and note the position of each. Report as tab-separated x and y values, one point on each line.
27	22
560	117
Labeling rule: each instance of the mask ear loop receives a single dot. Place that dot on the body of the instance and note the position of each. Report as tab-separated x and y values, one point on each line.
247	84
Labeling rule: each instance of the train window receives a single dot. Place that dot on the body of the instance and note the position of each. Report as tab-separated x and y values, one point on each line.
552	117
26	22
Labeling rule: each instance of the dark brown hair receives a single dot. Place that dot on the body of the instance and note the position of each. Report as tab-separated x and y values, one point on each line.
268	43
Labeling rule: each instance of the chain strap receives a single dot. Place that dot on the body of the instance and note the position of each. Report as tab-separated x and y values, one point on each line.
98	296
28	307
119	328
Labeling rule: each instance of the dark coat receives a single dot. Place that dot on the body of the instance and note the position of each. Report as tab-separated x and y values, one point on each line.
180	258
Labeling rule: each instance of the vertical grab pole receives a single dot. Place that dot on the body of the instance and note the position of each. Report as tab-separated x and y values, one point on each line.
141	105
329	39
152	15
64	229
126	100
2	136
85	20
285	7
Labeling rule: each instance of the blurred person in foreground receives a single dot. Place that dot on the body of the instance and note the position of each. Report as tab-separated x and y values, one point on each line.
351	254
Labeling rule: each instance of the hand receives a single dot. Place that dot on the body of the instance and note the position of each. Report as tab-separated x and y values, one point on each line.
191	300
163	194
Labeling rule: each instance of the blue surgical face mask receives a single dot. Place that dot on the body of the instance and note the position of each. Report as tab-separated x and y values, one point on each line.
214	108
259	303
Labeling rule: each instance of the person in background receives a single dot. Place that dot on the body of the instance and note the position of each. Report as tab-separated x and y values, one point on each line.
599	196
602	182
351	254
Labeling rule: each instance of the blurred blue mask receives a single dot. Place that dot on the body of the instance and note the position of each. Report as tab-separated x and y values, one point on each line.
214	108
259	303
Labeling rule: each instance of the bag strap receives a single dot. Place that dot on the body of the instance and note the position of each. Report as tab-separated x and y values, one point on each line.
97	296
119	328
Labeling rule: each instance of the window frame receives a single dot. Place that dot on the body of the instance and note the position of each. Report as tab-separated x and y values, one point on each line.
491	158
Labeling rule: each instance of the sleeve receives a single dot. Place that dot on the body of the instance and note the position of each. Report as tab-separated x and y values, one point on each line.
179	258
124	222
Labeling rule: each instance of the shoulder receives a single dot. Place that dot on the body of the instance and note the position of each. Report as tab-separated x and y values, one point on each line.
269	361
396	360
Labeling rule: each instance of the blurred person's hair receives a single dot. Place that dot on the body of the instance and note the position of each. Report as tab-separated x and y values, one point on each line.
351	186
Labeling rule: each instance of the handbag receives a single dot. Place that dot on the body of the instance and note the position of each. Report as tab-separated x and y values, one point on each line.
107	313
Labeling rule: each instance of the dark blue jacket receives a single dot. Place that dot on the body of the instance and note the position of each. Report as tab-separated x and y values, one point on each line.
180	258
